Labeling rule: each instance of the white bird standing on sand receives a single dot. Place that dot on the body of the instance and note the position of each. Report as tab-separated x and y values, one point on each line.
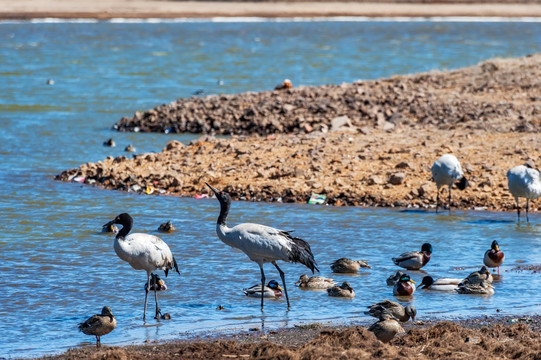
446	171
262	244
143	252
524	181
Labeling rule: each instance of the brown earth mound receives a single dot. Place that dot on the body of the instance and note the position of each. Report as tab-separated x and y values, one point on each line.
496	339
497	95
489	116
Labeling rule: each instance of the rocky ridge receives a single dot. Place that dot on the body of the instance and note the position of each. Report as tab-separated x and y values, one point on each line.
383	160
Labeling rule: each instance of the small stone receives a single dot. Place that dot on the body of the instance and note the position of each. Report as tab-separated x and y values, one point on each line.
397	179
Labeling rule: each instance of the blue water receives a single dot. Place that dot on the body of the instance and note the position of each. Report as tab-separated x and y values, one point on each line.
57	268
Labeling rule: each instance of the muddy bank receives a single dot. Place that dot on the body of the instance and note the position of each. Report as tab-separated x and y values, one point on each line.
472	339
497	95
489	116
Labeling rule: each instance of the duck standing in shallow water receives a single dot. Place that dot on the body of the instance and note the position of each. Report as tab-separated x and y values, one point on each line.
398	311
494	256
482	288
348	266
414	260
99	324
315	282
404	287
387	327
272	290
344	290
441	284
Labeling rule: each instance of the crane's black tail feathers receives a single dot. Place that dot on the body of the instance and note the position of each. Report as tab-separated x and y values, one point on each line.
301	252
174	266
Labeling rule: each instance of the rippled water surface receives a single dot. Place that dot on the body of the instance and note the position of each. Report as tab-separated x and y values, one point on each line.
57	268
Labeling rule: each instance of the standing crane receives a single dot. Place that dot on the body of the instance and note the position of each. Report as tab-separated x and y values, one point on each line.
524	181
143	252
446	171
262	244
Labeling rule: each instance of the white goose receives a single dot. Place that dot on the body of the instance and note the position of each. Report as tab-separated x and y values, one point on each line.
143	252
446	171
524	181
262	244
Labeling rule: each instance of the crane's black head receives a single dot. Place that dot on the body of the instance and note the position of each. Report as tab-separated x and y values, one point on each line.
123	219
427	281
225	203
462	183
426	248
222	196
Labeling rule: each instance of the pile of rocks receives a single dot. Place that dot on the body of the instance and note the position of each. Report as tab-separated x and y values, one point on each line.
497	95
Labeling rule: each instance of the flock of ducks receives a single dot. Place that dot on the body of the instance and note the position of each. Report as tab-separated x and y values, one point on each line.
265	244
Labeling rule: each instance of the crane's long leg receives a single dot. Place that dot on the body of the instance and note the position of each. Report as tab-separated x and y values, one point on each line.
146	296
98	342
158	312
449	201
437	199
283	281
262	284
518	209
527	206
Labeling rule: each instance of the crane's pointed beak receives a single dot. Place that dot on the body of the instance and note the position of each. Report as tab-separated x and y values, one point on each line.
109	224
216	191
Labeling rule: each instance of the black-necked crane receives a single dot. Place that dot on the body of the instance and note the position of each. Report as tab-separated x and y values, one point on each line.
99	324
262	244
446	171
524	181
143	252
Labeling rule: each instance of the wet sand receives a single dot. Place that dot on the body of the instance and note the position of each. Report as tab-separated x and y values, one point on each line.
485	338
105	9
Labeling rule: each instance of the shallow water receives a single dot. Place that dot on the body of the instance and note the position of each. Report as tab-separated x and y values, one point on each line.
57	268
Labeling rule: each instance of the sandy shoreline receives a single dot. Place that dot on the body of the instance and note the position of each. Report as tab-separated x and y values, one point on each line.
101	9
481	338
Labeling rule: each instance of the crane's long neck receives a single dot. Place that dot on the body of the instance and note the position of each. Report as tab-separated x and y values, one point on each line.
224	211
126	228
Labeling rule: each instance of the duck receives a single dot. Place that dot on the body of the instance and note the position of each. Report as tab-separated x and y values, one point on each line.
110	142
494	256
157	284
414	260
272	290
284	85
99	324
130	148
348	266
166	227
386	328
315	282
398	311
109	228
344	290
477	276
404	287
393	279
441	284
482	288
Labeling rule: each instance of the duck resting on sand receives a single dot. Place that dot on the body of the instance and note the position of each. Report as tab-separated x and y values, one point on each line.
387	327
398	311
